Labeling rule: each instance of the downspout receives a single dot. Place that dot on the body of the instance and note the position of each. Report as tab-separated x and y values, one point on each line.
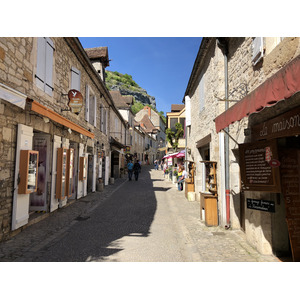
222	43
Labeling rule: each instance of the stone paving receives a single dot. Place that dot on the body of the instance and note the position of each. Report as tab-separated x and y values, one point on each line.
118	229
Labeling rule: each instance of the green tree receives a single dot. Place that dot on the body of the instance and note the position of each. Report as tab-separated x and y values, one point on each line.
173	137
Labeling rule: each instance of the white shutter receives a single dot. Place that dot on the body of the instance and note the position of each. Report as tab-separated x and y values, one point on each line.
41	62
106	120
54	201
49	67
94	173
257	50
102	117
188	111
75	79
87	102
95	111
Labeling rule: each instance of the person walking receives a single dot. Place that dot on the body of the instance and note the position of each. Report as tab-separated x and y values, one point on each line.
181	177
130	169
136	170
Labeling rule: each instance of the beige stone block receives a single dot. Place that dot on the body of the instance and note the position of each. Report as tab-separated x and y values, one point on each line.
14	80
19	55
28	75
7	134
2	53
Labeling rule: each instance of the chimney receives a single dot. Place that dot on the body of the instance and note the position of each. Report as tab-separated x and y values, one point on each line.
148	110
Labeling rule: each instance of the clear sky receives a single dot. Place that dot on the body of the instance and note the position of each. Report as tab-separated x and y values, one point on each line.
160	65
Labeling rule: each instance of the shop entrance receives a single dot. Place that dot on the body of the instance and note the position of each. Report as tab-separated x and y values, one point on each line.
286	225
90	174
39	201
74	146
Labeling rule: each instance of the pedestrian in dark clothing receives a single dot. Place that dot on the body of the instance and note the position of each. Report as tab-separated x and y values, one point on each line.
130	170
136	170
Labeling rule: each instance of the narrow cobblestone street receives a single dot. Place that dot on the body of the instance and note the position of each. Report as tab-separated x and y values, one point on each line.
143	221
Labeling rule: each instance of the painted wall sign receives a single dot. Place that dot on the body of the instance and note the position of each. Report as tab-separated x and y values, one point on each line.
286	124
75	101
256	172
258	204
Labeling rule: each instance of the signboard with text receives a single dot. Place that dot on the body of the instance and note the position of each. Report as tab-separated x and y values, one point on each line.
286	124
257	173
75	101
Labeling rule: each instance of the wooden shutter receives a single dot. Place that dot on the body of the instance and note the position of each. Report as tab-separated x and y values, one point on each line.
41	62
87	102
49	67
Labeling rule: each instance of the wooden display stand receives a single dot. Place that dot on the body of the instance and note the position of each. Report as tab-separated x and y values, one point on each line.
189	182
211	210
28	171
209	198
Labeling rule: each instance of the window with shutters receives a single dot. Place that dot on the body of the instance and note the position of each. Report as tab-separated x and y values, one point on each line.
90	106
75	79
257	50
44	67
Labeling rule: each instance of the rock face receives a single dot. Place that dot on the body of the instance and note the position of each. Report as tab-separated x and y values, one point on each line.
137	92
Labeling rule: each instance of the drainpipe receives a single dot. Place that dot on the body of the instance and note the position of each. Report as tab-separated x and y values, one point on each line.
222	44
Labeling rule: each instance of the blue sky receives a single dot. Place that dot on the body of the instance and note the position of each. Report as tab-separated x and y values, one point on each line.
160	65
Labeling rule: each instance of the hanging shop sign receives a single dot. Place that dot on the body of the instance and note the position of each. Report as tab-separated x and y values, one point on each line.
263	205
258	172
286	124
127	149
75	101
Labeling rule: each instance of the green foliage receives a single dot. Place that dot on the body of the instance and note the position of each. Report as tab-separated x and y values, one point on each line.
137	106
173	137
126	81
112	78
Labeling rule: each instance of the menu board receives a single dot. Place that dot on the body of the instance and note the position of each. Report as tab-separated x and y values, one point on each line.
259	166
290	180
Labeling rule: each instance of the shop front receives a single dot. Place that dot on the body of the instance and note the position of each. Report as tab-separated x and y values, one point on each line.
269	160
48	164
270	172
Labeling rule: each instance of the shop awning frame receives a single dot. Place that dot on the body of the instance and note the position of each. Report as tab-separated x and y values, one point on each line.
281	86
49	113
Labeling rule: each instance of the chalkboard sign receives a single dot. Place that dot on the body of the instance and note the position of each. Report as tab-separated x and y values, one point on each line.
258	204
290	179
257	173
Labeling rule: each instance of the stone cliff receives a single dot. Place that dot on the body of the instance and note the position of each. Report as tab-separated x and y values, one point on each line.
127	86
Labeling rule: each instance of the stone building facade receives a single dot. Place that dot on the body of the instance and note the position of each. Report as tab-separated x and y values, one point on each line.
237	69
36	75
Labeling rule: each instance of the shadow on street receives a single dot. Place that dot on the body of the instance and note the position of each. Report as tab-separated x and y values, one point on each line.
128	212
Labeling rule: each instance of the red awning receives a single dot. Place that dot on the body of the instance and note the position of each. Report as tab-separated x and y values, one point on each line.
282	85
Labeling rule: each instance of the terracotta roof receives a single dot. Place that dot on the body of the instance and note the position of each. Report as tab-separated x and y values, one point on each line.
147	124
98	53
177	107
121	101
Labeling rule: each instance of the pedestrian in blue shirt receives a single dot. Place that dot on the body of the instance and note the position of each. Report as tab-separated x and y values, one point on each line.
130	170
